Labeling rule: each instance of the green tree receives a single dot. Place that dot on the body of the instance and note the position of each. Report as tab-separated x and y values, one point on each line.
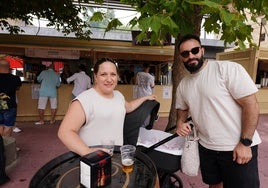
229	18
64	15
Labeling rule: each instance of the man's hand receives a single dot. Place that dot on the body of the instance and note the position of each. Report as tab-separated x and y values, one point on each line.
242	154
183	129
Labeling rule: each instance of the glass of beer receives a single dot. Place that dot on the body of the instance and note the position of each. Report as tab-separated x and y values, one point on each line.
109	145
127	157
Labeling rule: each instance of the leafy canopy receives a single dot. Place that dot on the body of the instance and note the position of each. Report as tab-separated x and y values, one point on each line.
229	18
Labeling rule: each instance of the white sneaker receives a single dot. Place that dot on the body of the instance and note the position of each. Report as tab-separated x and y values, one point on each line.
39	123
17	130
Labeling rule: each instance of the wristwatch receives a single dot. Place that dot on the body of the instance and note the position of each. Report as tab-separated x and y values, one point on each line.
246	141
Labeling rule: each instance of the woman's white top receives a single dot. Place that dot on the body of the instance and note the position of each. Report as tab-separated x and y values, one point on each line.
104	117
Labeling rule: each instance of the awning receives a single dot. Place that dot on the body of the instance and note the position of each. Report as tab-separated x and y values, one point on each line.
15	62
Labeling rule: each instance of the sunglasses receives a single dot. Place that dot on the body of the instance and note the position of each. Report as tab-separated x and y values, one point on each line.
194	51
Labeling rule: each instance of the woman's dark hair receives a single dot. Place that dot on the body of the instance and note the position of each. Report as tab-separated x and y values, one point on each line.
189	37
102	60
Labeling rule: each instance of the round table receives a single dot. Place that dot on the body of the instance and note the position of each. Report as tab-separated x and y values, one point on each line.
63	172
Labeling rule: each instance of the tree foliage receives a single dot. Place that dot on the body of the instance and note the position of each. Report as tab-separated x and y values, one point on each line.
161	17
229	18
64	15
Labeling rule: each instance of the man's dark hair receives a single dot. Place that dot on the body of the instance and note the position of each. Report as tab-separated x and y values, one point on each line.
82	67
189	37
146	65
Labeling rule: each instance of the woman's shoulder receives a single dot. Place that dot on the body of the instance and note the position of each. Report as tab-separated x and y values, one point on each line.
118	93
87	93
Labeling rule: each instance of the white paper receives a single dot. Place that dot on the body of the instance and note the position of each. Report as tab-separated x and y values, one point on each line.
35	91
166	92
149	137
135	92
85	173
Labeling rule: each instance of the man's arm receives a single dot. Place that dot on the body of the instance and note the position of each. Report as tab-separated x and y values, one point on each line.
183	128
250	115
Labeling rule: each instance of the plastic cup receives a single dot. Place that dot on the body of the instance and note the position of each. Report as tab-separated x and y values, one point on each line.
127	157
109	145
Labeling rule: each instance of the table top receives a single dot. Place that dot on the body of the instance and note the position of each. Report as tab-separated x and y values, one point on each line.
63	171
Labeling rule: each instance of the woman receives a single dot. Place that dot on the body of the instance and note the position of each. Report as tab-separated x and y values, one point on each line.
97	114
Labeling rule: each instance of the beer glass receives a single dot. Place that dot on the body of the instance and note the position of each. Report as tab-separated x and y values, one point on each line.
109	145
127	157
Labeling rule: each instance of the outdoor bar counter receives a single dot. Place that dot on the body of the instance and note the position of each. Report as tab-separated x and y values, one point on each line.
28	99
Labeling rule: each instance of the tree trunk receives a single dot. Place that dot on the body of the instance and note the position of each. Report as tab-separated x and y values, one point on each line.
178	70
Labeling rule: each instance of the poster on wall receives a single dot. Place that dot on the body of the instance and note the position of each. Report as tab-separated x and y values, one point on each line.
166	92
135	92
35	91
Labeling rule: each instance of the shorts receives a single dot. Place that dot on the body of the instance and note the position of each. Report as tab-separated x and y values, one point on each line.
42	103
218	166
8	117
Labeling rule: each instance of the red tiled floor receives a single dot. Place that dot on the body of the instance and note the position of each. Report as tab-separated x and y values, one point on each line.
39	144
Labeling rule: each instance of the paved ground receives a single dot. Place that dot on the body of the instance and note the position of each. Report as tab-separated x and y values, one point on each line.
39	144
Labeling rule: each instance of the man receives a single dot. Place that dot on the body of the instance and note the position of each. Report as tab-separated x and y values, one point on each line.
220	98
9	84
81	80
66	73
145	82
50	81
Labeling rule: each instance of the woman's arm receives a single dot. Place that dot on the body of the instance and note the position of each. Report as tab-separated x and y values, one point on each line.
68	130
132	105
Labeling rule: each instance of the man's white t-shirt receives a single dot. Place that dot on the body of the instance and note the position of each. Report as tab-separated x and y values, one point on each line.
145	83
82	82
209	95
104	117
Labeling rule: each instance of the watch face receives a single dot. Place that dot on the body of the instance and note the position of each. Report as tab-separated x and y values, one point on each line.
246	141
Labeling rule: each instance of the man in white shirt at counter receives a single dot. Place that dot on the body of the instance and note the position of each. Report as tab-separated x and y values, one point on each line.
145	82
81	80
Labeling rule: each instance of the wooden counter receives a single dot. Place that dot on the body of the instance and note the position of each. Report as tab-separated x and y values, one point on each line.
27	106
27	102
262	97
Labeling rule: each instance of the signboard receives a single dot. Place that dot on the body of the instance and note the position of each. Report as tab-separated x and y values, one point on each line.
52	53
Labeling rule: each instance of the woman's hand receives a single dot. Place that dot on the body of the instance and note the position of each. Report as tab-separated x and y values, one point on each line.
151	97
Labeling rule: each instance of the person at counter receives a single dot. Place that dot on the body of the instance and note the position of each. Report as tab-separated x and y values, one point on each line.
81	80
98	113
9	84
145	81
129	75
50	81
66	73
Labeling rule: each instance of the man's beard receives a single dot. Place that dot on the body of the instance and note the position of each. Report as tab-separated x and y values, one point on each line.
192	67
